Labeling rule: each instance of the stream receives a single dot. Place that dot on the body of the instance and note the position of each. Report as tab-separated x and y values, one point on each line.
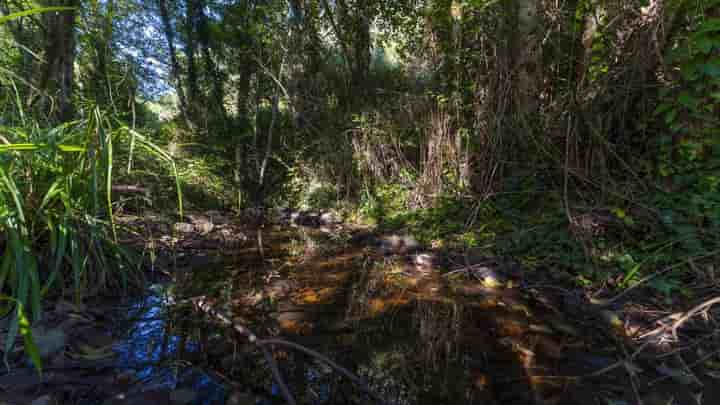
410	324
407	332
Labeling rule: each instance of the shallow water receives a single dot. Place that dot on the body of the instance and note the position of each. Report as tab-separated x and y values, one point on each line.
406	333
153	352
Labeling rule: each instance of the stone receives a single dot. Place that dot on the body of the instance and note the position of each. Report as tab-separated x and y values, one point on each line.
278	288
154	397
425	260
217	218
49	342
490	278
44	400
329	218
184	227
398	244
183	396
21	380
241	398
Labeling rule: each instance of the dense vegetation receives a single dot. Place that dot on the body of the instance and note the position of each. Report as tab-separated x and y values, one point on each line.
576	136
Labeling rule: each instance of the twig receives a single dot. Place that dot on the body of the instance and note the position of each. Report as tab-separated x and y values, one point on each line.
342	370
202	304
275	370
610	301
681	318
689	366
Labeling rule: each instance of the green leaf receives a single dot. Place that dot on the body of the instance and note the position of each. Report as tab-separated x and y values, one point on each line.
670	116
705	45
31	348
687	100
39	10
21	324
709	25
662	108
710	69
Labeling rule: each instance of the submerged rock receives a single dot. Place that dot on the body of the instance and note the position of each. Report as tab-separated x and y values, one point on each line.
241	398
183	396
44	400
49	342
155	397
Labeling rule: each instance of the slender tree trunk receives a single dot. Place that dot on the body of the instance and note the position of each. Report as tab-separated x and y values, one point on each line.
242	129
194	102
211	69
528	56
174	63
57	78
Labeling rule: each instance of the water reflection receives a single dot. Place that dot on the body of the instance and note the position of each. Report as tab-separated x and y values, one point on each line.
406	333
152	352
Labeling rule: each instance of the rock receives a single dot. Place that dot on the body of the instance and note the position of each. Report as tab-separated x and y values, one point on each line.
49	342
124	378
425	260
364	238
306	218
154	397
202	223
398	244
241	398
44	400
562	326
184	227
547	346
278	288
330	218
64	307
21	380
490	278
477	290
232	237
217	218
183	396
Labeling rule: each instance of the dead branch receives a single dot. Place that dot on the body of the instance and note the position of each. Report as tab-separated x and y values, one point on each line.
203	305
680	318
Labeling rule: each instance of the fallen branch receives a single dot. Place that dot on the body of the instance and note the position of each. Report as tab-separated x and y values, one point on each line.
128	189
202	304
680	318
601	303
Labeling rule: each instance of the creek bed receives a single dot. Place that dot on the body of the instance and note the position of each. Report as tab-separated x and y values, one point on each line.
416	337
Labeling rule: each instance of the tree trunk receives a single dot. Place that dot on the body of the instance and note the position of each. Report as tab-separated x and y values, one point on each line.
174	63
528	57
57	78
191	22
242	128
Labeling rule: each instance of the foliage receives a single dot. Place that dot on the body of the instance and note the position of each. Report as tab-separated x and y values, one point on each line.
690	147
56	210
470	123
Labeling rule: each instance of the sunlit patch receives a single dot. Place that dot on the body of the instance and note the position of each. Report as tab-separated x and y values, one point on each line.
312	296
294	326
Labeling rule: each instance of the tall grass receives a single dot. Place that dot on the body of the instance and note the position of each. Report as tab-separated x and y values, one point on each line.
57	233
56	217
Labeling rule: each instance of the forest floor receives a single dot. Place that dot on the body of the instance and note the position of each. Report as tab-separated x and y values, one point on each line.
420	325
